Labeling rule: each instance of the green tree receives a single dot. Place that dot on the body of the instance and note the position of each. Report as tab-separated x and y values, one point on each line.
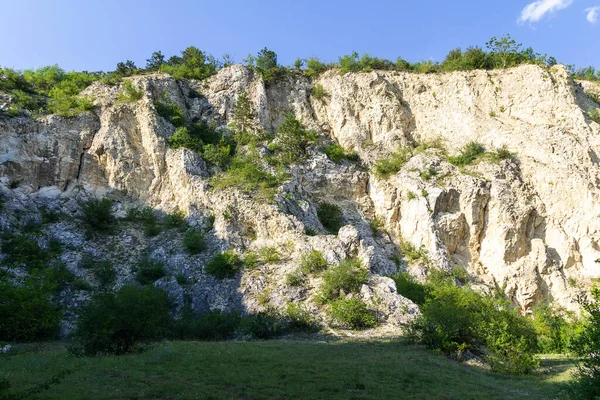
314	67
155	61
506	49
266	60
45	78
293	139
126	68
350	63
243	112
266	64
27	312
116	323
586	383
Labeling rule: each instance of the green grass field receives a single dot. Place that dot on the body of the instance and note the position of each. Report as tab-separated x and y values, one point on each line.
279	369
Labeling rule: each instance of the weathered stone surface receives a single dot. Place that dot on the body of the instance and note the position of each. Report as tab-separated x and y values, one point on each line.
530	225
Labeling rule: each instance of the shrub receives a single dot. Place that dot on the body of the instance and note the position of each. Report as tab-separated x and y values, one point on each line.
502	154
147	217
345	278
349	63
248	175
118	323
194	242
366	63
50	216
250	260
315	67
377	225
352	313
57	275
98	215
207	133
25	251
330	216
408	287
594	97
129	94
174	220
310	231
126	68
319	92
263	325
428	174
103	271
147	271
595	115
170	111
390	165
27	101
555	327
313	262
336	153
411	252
269	255
63	97
193	64
472	58
455	319
586	382
295	278
67	106
111	78
183	138
469	153
213	325
224	265
26	311
299	318
219	154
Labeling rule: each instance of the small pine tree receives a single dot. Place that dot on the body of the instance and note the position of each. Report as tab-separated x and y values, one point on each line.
155	61
243	112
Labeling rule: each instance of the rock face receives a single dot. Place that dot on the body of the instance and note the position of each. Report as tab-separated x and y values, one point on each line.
528	225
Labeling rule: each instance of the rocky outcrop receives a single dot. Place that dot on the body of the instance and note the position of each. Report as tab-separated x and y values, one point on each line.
527	225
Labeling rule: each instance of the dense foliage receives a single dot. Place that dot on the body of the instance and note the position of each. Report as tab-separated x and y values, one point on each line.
337	153
313	262
390	165
345	278
586	383
352	313
330	216
224	265
27	312
468	154
118	323
50	89
147	270
455	319
98	215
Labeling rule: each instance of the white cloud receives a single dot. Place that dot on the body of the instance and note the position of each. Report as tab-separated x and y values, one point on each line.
592	14
537	10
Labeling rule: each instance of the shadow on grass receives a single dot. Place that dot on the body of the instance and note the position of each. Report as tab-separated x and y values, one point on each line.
276	369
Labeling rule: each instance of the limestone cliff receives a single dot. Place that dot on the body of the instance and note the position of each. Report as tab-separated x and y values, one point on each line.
527	225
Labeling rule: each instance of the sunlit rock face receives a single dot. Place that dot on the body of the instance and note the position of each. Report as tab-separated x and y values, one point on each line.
527	225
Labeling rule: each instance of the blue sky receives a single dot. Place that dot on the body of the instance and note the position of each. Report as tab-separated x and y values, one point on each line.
95	35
